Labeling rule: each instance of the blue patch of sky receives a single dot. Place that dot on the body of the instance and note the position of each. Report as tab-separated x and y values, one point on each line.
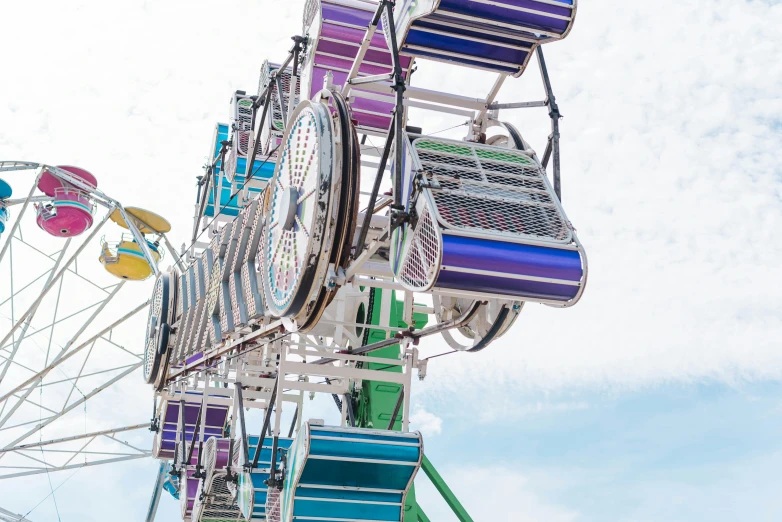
626	455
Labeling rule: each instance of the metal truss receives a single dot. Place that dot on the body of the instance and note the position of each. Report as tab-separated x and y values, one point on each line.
9	516
69	332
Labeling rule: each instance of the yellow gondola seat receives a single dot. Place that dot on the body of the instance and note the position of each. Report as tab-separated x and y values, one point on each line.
126	260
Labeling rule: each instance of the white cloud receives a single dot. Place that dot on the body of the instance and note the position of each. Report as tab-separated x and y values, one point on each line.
427	423
491	493
671	174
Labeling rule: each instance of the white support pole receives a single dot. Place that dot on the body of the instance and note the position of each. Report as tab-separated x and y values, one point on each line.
142	242
8	516
407	386
495	90
75	437
157	490
173	252
280	390
38	471
370	32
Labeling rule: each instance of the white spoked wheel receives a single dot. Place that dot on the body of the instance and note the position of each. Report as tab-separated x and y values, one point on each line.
162	307
300	225
71	334
491	321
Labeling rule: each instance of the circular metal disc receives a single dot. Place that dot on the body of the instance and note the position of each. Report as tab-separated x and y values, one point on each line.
295	238
158	314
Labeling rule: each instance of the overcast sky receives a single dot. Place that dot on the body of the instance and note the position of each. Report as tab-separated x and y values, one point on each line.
656	398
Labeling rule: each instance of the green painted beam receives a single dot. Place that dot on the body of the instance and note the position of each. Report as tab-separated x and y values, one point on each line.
445	491
422	516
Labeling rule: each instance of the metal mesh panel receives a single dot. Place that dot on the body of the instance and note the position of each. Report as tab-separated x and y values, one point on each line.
272	146
214	243
230	165
255	233
226	317
199	278
275	126
206	258
219	505
199	325
310	10
232	229
246	217
210	456
189	290
243	141
212	302
273	510
213	333
420	264
181	298
252	298
188	346
184	335
235	279
490	190
237	299
244	114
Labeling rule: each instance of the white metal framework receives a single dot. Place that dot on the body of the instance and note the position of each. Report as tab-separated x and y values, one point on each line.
69	331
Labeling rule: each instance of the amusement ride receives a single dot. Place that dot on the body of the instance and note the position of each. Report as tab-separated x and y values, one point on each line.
315	265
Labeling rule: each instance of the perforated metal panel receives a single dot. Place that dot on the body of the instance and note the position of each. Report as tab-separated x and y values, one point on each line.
190	286
200	287
233	230
183	335
275	126
219	505
256	227
197	329
492	191
420	265
226	315
181	302
236	281
253	299
210	455
207	258
273	508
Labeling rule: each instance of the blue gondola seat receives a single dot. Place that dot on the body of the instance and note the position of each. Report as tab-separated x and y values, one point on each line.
338	473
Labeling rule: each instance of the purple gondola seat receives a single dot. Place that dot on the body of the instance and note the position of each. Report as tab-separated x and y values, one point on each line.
494	35
215	417
336	29
486	224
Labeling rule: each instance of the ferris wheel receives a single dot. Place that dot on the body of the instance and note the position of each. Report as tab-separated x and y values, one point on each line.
303	277
73	261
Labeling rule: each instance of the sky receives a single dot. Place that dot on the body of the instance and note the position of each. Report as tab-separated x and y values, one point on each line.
656	398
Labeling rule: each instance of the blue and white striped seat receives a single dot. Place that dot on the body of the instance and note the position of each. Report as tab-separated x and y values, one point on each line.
226	187
494	35
341	474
